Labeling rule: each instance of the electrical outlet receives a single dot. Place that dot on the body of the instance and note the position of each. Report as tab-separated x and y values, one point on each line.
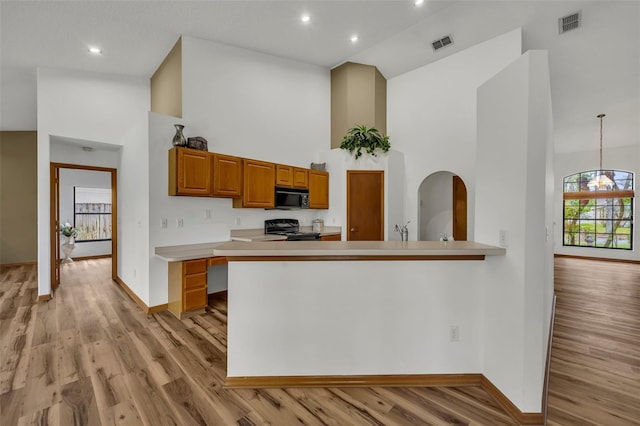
454	333
179	222
207	214
237	222
164	223
502	237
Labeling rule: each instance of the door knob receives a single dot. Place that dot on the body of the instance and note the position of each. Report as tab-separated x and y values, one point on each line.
353	229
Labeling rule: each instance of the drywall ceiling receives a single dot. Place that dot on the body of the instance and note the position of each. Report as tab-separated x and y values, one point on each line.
595	68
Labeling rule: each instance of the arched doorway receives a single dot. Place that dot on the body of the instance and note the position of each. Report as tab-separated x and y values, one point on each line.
442	207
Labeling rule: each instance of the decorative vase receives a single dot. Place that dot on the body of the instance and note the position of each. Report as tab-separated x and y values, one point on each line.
178	138
67	248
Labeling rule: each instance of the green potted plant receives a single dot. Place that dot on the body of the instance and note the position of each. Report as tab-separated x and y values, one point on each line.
361	137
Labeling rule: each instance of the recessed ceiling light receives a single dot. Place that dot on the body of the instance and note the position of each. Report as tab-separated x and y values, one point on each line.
354	38
305	18
418	2
95	50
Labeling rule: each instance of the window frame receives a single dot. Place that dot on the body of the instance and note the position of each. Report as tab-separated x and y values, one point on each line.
616	197
77	213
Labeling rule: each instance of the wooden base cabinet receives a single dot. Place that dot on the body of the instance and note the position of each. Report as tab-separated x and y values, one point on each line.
332	237
187	287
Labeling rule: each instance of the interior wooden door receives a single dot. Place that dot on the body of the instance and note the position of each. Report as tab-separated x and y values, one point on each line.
459	209
54	226
365	205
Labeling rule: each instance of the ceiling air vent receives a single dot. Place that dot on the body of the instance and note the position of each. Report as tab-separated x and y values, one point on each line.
569	22
444	41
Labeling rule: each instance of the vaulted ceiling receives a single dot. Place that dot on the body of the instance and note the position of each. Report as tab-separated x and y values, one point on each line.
594	68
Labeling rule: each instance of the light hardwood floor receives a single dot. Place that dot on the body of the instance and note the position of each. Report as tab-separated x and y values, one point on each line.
90	356
595	361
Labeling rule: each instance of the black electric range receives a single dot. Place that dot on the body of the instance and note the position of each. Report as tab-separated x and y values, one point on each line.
290	228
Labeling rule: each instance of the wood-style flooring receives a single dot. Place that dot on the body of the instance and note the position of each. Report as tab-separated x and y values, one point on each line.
595	358
90	356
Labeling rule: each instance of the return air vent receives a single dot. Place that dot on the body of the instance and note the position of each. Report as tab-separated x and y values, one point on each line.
444	41
570	22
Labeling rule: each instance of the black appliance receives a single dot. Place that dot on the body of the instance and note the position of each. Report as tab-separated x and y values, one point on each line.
291	198
290	228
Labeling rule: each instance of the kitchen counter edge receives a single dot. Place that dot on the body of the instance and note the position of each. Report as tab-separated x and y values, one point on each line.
357	248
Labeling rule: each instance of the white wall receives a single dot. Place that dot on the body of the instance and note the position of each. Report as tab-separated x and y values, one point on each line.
87	106
435	201
431	116
133	210
621	158
514	120
70	178
67	153
330	322
255	105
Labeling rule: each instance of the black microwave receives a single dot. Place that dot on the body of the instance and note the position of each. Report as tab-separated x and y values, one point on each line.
291	198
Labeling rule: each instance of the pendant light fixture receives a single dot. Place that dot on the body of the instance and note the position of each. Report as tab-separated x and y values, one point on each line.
601	181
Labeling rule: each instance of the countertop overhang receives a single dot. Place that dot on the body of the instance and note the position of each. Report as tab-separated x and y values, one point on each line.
356	250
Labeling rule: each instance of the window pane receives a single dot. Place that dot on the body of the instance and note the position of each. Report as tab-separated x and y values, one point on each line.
92	213
603	223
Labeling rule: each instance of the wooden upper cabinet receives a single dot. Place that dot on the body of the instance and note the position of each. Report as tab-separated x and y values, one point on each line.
284	175
290	176
227	176
190	172
258	184
300	177
318	189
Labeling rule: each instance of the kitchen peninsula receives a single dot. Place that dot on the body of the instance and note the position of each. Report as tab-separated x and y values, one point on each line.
354	308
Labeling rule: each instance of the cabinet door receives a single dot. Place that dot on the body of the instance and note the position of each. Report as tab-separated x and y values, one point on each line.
227	176
300	177
318	189
189	172
258	188
284	175
333	237
194	299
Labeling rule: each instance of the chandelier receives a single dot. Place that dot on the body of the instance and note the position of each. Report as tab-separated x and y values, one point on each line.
601	182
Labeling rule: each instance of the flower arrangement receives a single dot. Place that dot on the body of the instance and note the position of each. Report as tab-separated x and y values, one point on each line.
68	231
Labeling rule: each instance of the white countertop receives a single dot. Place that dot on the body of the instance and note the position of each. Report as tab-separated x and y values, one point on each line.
356	248
187	251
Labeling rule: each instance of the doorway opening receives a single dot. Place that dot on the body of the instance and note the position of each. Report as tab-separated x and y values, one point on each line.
72	216
442	207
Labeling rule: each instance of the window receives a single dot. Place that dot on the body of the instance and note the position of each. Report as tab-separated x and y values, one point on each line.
598	218
92	213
